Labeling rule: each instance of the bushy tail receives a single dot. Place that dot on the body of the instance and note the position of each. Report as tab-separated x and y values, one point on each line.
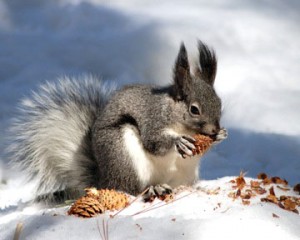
51	134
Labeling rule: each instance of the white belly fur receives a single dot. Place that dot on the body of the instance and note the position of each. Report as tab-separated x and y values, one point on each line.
171	169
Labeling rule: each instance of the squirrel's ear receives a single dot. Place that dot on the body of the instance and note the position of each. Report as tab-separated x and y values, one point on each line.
182	75
208	64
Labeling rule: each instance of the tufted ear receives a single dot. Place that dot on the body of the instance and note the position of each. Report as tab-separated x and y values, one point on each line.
182	75
207	69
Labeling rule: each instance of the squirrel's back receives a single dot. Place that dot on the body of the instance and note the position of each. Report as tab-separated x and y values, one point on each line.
51	135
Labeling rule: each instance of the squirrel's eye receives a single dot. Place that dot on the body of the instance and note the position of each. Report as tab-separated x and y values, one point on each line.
195	110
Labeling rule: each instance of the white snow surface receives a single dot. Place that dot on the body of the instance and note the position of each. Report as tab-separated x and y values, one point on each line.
258	48
202	212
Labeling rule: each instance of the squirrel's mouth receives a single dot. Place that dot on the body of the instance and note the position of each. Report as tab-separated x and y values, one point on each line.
212	133
212	136
201	131
221	134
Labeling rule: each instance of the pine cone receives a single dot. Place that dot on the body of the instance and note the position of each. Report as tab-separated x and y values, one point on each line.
86	207
109	199
202	144
112	200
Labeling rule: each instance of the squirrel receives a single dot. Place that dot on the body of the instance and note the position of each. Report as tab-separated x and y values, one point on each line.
79	133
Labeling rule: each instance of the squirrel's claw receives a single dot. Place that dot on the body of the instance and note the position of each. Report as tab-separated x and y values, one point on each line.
222	135
157	191
185	145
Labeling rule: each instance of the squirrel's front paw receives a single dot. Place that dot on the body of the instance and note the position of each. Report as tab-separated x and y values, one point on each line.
185	146
222	135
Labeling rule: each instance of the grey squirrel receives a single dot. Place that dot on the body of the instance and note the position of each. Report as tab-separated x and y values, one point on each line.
79	133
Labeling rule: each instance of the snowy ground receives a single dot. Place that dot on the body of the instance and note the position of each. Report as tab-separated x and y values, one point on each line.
206	213
257	43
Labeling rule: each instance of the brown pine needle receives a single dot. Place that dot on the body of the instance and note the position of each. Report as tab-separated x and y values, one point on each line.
18	230
99	230
161	204
136	198
104	231
105	228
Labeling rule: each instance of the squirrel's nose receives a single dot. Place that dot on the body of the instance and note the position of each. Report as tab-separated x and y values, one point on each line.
210	129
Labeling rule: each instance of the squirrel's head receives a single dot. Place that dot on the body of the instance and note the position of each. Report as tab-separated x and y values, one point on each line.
197	104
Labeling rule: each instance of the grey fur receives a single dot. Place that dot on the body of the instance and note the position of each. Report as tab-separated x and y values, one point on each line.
51	135
81	133
149	111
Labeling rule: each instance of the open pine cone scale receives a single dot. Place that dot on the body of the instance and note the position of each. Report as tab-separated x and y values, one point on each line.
202	144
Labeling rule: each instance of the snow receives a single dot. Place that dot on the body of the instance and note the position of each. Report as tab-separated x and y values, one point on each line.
203	212
257	43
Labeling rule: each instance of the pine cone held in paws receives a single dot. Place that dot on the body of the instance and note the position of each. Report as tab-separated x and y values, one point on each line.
202	144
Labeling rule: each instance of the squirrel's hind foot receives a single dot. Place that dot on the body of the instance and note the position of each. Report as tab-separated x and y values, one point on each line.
158	191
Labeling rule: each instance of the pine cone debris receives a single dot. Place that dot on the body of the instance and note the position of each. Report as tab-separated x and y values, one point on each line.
247	191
